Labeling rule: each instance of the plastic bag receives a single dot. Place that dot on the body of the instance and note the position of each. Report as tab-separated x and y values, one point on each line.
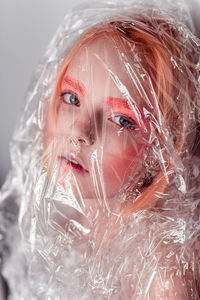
102	201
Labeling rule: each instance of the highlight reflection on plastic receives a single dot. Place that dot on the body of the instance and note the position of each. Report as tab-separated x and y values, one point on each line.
92	109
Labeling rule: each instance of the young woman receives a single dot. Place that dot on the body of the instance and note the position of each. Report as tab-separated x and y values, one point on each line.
110	201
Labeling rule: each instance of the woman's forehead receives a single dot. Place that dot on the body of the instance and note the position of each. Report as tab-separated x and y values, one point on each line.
104	63
100	53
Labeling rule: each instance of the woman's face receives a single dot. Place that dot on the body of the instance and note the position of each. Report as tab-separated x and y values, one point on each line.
99	134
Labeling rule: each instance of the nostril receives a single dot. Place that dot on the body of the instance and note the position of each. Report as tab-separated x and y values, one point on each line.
76	142
87	140
82	140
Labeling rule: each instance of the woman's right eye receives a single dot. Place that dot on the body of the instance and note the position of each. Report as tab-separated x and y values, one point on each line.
70	98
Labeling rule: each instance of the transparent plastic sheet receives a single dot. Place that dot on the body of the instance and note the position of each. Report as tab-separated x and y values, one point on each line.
102	201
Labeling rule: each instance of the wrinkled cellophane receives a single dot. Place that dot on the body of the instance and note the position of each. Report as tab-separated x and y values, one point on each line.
102	201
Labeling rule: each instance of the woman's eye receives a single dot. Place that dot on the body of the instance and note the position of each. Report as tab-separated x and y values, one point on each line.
125	122
70	98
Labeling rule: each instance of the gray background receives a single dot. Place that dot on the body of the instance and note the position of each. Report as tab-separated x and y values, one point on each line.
26	27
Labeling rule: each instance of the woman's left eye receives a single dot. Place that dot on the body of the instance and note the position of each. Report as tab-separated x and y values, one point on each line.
70	98
125	122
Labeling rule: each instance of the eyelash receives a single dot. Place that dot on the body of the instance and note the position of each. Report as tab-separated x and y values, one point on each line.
131	126
71	94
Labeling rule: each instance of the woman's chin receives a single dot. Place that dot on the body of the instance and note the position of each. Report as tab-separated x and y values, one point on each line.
93	203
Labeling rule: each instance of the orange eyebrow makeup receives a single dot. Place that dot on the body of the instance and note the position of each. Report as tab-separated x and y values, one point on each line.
122	106
74	85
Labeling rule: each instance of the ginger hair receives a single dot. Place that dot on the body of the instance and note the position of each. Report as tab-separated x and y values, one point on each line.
171	62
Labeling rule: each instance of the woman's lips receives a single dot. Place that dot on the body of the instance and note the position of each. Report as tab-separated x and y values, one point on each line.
70	161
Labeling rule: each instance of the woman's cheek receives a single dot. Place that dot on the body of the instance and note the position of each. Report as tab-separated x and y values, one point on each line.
116	170
122	156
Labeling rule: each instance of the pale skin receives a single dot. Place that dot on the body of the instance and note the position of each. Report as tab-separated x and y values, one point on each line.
102	129
105	139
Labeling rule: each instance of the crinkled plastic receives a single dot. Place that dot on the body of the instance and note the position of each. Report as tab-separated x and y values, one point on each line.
102	201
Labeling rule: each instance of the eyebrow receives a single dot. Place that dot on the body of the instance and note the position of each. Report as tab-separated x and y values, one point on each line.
75	84
123	106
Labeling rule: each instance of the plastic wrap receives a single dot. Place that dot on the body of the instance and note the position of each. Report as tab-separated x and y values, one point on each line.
102	201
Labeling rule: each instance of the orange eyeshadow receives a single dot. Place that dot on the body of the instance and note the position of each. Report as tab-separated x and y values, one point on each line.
122	106
74	85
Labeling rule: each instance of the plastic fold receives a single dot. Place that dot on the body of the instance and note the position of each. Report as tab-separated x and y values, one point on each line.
102	201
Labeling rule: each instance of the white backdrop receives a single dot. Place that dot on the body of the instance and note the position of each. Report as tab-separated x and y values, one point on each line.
26	28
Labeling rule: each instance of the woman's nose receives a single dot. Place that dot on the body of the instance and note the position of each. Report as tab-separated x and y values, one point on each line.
83	131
